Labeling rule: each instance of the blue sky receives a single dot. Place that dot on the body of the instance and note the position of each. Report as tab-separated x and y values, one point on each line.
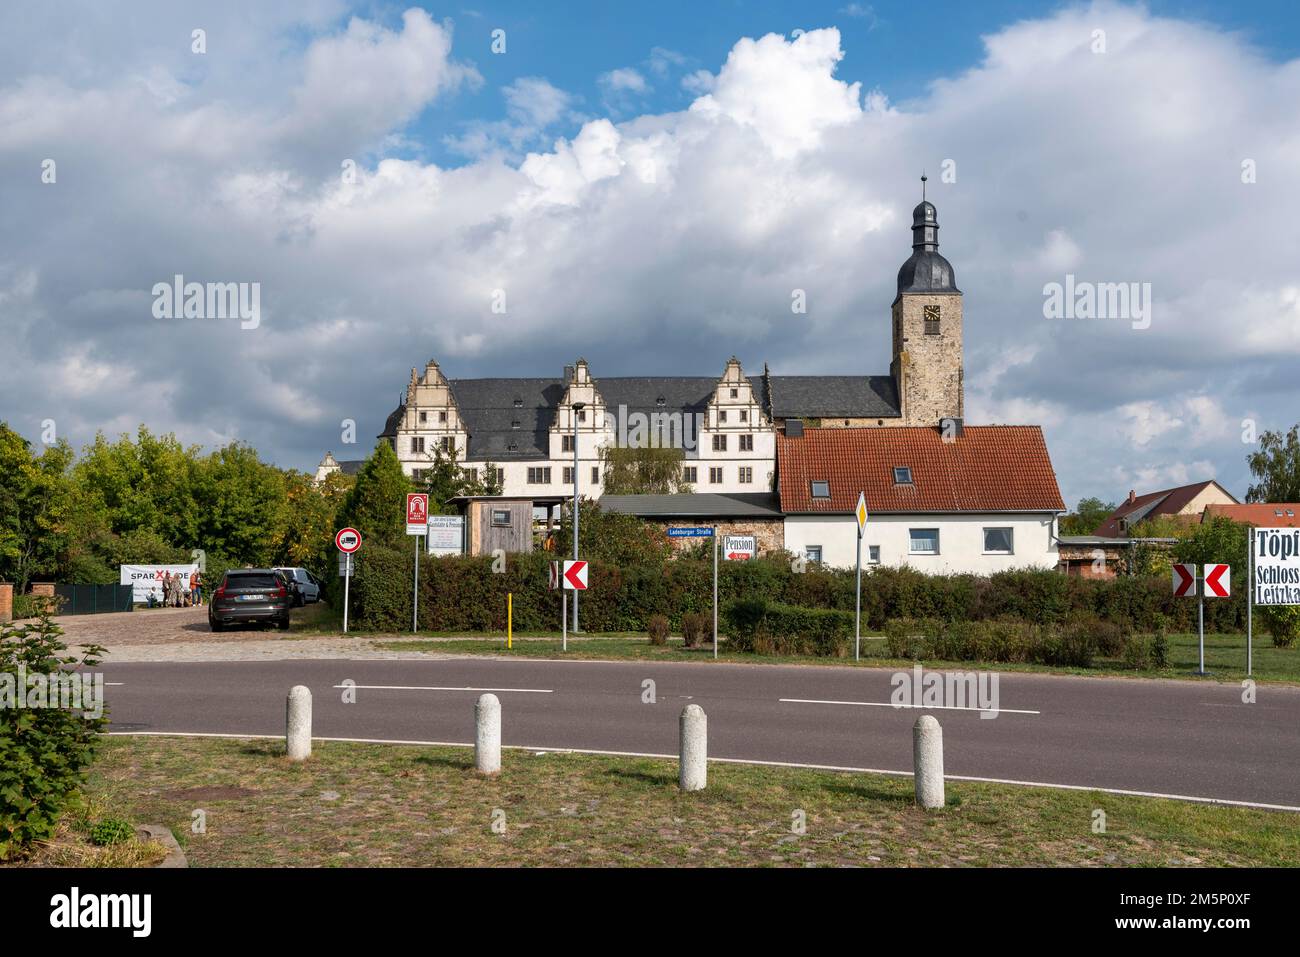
648	185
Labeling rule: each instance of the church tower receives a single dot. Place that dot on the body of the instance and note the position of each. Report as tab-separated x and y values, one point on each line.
927	363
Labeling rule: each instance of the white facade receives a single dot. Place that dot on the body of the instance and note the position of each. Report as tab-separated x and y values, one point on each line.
961	540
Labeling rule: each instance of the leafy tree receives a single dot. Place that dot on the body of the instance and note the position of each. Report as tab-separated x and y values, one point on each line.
643	470
376	504
309	533
1087	518
1219	541
446	478
612	537
241	506
35	496
1276	465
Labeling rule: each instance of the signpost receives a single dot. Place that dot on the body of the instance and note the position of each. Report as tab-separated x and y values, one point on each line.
417	524
859	513
347	541
1216	582
445	535
706	531
572	576
739	547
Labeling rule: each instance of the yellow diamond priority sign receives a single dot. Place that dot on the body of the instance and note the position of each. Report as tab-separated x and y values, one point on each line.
861	512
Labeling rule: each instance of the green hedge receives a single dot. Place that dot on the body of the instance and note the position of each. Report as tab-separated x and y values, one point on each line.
460	593
770	629
1074	642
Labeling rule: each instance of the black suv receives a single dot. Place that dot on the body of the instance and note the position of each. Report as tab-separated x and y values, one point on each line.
250	595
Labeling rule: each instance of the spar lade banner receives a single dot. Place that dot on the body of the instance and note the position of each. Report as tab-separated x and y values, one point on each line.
143	577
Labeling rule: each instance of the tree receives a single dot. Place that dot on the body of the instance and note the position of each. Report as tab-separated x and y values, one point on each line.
1276	464
1087	518
446	479
643	470
35	497
612	537
1218	541
376	504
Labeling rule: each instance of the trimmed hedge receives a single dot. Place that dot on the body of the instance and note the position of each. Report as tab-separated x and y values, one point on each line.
1071	643
770	629
461	593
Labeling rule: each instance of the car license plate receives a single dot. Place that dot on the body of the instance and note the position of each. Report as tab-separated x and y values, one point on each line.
252	598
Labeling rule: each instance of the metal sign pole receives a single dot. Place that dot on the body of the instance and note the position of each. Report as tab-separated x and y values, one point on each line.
347	583
564	617
1200	616
857	606
715	592
415	590
1250	592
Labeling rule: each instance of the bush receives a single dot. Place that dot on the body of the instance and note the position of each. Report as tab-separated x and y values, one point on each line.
1106	637
1283	623
657	628
696	629
44	751
1160	650
111	830
773	629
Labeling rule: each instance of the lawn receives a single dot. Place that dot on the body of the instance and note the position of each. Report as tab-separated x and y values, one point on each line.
388	805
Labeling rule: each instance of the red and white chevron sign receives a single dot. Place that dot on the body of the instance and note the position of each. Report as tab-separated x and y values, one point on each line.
1184	580
1218	581
575	576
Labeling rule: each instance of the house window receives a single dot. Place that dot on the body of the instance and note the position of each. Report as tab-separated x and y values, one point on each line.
442	416
719	443
722	415
519	403
424	417
500	476
925	541
873	554
746	475
998	541
735	393
472	474
690	474
446	443
715	476
902	475
539	475
417	474
567	475
595	475
744	415
746	443
566	443
514	425
813	553
931	320
501	517
821	489
582	415
417	444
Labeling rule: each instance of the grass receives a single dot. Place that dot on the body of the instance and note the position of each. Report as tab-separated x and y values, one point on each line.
393	805
1225	655
71	845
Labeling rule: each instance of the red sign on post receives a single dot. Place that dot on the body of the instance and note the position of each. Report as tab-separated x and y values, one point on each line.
1184	580
575	576
417	513
348	540
1218	581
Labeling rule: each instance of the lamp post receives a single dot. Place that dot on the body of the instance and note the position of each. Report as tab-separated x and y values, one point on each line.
577	407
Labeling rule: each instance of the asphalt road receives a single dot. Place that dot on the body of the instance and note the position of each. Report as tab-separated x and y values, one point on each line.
1183	738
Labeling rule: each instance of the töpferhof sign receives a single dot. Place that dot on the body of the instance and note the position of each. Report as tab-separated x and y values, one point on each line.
1277	566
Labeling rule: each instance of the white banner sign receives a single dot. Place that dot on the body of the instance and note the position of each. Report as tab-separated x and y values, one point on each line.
1277	565
446	535
141	578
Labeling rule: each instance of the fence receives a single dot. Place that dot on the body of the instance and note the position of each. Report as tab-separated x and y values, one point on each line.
92	599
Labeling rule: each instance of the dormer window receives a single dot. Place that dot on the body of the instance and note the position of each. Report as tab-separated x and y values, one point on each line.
512	447
661	401
519	403
902	475
515	425
821	489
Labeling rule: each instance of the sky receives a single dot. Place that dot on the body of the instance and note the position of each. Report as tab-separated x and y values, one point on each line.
506	187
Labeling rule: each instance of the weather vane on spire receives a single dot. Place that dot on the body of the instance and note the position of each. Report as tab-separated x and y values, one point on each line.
923	179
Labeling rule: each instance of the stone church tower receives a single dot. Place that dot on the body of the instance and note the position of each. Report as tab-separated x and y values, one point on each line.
927	363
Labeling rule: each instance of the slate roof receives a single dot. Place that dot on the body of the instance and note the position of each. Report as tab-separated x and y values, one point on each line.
1169	501
831	396
695	505
988	468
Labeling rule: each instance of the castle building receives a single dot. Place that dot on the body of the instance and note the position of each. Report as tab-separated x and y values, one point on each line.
727	426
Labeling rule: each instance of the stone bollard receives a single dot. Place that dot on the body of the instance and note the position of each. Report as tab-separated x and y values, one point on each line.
297	736
694	772
927	758
487	734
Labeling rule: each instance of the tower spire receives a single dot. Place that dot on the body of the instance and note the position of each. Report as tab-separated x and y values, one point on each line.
923	179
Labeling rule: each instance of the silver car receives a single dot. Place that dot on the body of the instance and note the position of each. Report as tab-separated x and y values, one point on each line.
306	585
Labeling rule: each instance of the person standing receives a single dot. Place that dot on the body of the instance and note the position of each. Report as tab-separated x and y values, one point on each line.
166	589
196	588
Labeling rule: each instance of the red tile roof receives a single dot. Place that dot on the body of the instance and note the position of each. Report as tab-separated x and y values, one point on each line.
1169	501
989	468
1259	515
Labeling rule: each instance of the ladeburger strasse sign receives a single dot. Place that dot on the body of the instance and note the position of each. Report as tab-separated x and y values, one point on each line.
1277	565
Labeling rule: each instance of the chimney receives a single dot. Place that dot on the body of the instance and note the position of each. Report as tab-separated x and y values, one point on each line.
1131	496
568	373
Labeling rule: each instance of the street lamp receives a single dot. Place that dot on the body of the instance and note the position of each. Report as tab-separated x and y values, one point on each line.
577	407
